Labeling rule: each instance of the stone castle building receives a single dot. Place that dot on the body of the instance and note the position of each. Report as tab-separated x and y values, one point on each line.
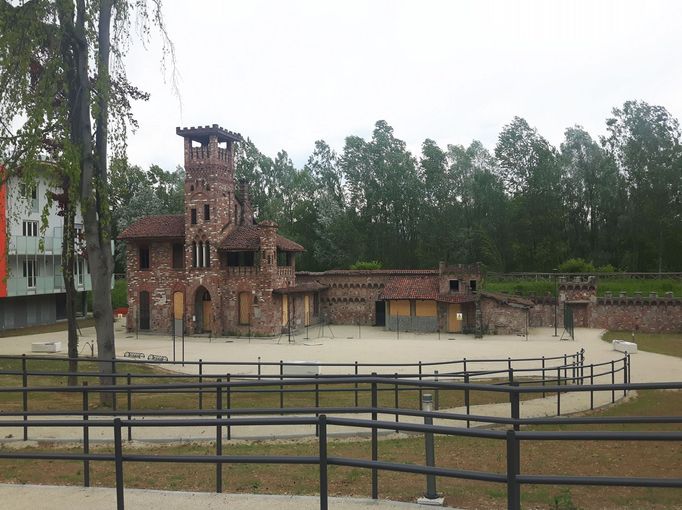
215	270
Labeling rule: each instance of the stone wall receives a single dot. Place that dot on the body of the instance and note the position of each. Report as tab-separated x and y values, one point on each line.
649	315
502	319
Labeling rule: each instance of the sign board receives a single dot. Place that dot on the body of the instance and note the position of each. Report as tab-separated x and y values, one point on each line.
459	316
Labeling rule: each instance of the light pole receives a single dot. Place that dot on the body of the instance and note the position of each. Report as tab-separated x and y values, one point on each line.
556	299
431	497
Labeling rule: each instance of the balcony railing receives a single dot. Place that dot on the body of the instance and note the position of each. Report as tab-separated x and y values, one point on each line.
26	245
52	284
242	270
285	271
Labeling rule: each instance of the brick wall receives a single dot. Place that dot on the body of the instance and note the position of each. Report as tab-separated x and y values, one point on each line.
502	319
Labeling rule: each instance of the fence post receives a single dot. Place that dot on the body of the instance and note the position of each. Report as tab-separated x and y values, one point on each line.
558	393
375	443
356	384
565	369
259	368
420	388
582	366
317	401
515	407
218	437
281	386
513	470
114	382
591	384
322	427
467	400
436	393
118	459
86	436
201	380
613	381
396	398
625	373
543	376
228	396
129	398
24	394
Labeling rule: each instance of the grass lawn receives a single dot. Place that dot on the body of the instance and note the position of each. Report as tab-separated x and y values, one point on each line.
262	397
45	328
661	343
556	457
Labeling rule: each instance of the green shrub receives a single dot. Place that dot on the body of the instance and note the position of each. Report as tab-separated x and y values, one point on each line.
367	265
576	266
608	268
119	294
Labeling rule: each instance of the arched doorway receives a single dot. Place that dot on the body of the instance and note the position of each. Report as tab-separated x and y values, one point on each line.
203	311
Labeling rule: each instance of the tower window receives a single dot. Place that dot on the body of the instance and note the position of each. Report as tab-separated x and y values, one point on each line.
207	212
454	285
144	257
193	216
194	254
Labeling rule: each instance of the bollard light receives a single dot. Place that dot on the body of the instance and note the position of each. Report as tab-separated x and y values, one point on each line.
431	497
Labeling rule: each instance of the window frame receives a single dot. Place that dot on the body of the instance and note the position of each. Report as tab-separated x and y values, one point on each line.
140	250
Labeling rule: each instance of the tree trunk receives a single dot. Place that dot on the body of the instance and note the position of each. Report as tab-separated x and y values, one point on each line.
68	262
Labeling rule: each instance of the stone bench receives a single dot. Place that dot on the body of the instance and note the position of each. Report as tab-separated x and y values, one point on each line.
624	346
46	346
300	368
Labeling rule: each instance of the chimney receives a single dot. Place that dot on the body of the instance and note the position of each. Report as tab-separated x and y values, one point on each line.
247	209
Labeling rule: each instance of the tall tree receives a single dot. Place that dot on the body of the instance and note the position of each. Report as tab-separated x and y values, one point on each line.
57	82
644	141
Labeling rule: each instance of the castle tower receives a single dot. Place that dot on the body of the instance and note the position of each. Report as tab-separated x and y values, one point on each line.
211	209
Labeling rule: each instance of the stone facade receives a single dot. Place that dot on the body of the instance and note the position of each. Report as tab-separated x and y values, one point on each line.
213	269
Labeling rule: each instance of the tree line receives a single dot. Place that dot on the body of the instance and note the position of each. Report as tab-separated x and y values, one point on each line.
523	206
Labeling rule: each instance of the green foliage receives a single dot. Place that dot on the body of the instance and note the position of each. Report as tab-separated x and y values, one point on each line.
564	501
522	287
576	265
608	268
119	294
367	265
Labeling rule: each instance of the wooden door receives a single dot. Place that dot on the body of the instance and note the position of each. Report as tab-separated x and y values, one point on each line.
207	316
306	309
178	312
455	318
285	310
244	308
145	310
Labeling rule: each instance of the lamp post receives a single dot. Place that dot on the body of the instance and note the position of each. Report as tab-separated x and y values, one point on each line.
556	299
431	497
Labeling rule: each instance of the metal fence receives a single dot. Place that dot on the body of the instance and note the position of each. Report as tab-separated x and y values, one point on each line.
223	420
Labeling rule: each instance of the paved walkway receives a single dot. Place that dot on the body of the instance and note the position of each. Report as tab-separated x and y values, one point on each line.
368	344
32	497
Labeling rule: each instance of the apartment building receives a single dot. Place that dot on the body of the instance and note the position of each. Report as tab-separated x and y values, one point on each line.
31	283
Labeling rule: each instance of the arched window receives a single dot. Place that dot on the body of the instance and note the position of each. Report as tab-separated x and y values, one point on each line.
207	254
194	254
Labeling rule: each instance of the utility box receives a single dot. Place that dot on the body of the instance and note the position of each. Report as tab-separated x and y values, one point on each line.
46	346
300	368
624	346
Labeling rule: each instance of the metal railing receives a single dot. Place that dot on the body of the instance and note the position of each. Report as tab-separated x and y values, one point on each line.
223	420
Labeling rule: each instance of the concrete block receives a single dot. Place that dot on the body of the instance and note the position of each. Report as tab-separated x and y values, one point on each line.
298	368
624	346
46	346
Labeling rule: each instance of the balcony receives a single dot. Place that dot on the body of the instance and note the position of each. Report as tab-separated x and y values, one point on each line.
285	271
26	245
242	270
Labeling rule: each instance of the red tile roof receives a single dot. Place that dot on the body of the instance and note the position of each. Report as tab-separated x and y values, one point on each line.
247	238
302	287
154	227
421	287
369	272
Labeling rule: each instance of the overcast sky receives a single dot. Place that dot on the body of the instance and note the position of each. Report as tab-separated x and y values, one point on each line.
287	73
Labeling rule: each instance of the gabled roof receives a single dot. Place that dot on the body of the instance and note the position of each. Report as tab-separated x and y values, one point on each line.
247	238
421	287
155	227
